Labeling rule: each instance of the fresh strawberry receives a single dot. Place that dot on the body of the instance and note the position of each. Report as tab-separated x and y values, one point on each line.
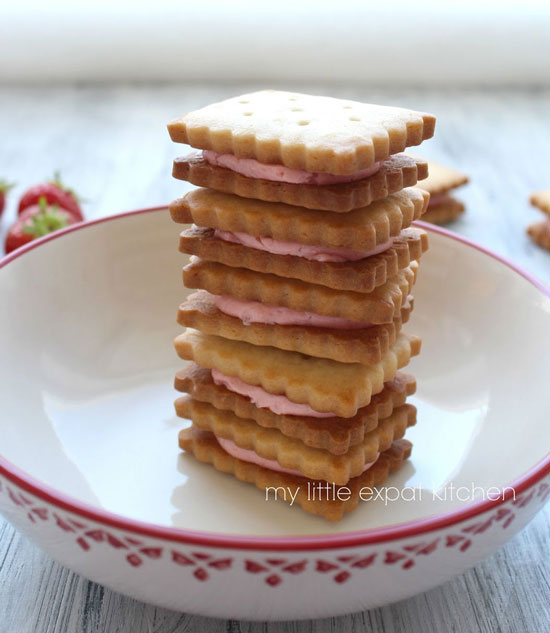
4	189
54	192
37	221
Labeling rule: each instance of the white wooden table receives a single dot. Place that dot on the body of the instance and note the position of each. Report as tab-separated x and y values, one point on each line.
111	146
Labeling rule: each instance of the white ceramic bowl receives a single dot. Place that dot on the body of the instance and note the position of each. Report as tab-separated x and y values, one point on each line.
92	473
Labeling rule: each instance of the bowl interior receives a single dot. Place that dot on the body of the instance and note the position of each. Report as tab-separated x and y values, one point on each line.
86	330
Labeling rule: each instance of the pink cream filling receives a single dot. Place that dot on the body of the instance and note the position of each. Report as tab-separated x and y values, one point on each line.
307	251
280	405
437	199
252	457
279	173
255	312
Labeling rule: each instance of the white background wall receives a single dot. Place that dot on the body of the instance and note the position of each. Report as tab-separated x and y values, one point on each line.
426	41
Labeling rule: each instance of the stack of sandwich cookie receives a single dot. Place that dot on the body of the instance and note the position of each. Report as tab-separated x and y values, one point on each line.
303	259
440	184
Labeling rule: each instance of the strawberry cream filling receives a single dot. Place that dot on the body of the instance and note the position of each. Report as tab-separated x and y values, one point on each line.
438	198
279	404
247	455
279	173
255	312
307	251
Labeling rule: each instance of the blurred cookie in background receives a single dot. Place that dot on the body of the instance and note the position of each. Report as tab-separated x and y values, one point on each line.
539	232
440	184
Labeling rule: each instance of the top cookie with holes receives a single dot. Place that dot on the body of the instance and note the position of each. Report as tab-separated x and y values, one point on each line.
299	138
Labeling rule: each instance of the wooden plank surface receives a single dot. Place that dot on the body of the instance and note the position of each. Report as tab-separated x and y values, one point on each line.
111	145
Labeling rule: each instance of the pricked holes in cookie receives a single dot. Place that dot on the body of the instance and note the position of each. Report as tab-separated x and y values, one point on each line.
297	110
247	113
292	98
348	107
303	122
354	118
244	101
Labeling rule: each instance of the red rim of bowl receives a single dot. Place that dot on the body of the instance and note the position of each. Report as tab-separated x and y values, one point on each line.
314	542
